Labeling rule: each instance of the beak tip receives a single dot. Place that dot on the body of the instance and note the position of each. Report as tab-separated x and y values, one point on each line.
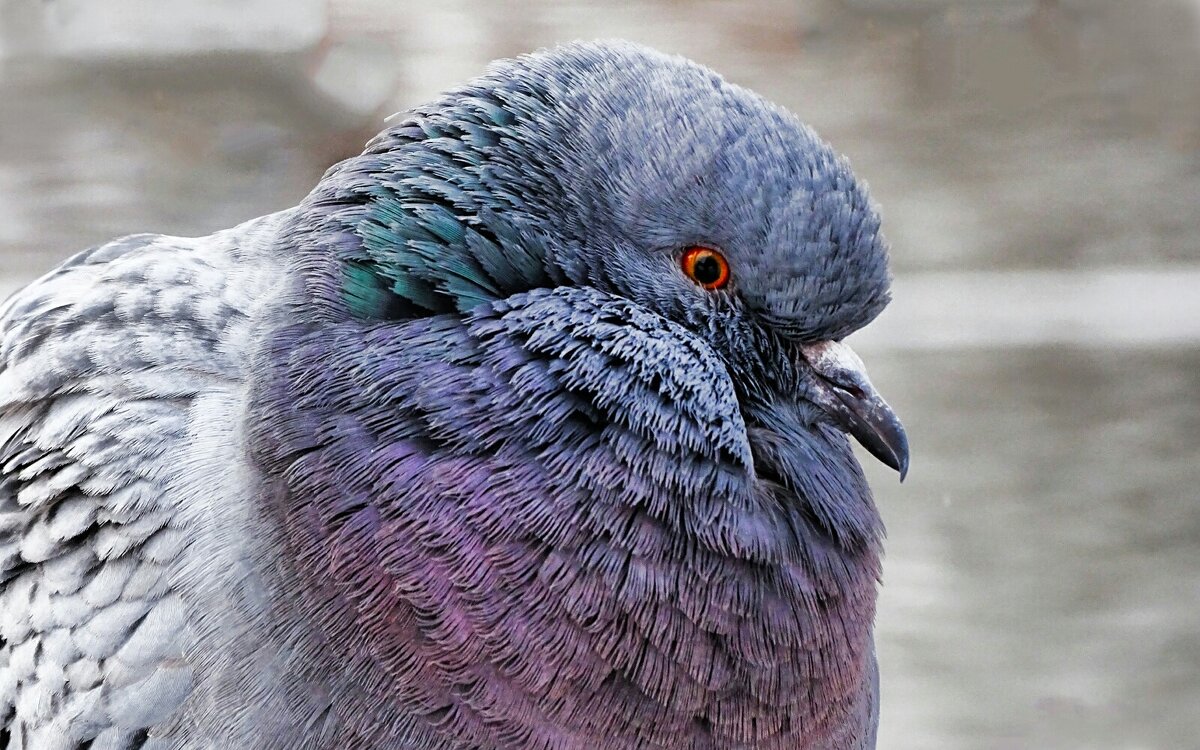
902	456
895	453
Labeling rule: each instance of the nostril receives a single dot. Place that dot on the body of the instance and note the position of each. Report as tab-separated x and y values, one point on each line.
845	382
853	390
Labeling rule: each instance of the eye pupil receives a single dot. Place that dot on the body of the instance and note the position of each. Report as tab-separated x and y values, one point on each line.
707	269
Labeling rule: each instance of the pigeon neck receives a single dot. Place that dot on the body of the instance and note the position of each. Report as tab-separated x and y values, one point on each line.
438	214
487	598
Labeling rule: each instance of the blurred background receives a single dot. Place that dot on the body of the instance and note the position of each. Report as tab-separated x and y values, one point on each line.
1038	168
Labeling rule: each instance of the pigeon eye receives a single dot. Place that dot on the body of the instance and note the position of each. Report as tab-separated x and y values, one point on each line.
705	266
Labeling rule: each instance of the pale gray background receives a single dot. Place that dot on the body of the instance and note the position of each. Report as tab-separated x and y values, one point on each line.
1038	165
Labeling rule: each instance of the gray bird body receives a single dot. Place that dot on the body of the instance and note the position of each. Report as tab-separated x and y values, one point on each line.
444	458
123	374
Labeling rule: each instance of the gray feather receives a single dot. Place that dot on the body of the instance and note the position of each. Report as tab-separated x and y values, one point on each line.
101	363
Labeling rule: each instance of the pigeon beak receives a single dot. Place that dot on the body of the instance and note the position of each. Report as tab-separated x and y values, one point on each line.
846	394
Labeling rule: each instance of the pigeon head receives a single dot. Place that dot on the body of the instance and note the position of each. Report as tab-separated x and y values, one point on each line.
647	176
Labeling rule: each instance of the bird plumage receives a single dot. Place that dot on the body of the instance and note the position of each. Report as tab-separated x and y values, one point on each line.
453	455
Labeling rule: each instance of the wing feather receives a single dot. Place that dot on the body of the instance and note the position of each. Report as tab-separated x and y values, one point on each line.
101	361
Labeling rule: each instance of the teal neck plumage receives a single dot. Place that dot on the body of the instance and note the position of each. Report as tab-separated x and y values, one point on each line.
433	216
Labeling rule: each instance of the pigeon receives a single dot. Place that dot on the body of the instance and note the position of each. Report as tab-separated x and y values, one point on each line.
528	428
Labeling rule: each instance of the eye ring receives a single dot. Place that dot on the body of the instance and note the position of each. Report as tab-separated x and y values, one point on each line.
705	266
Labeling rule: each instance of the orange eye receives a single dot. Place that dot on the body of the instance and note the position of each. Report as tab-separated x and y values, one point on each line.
705	266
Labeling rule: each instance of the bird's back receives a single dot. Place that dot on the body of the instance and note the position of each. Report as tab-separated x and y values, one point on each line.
119	373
